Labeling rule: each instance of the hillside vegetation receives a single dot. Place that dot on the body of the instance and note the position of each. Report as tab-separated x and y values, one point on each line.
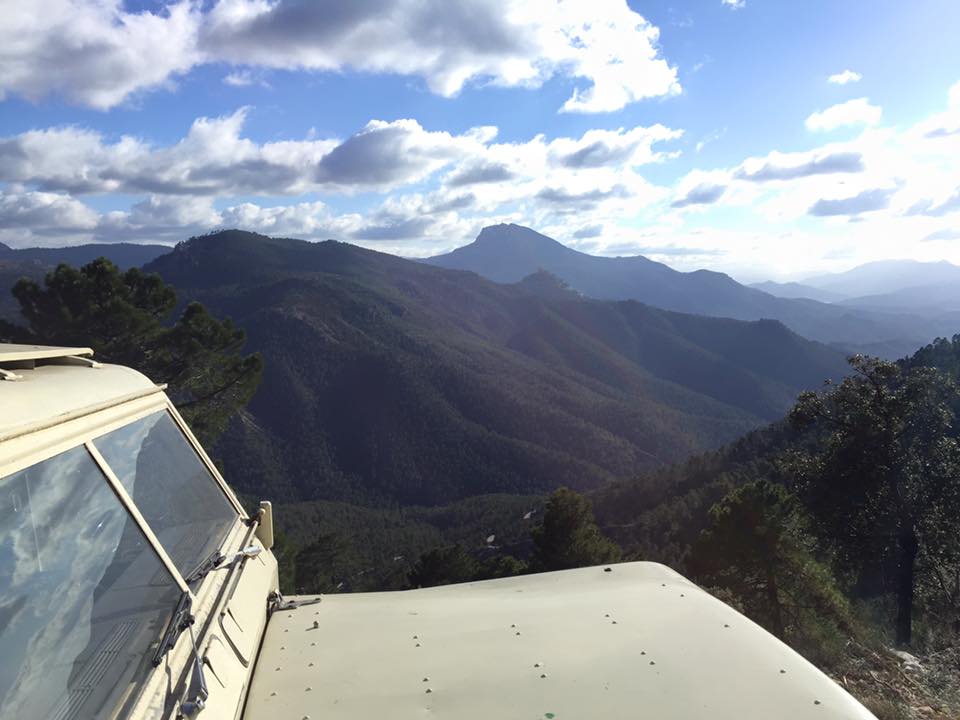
838	528
388	380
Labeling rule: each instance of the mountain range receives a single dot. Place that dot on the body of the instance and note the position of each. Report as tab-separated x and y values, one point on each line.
886	285
795	290
394	381
884	276
507	253
513	364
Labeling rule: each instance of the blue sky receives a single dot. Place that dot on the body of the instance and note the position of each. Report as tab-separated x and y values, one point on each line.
705	133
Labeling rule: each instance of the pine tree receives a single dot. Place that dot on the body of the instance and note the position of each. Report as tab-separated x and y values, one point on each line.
125	318
569	537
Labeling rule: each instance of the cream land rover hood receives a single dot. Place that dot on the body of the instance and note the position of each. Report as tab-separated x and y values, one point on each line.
636	640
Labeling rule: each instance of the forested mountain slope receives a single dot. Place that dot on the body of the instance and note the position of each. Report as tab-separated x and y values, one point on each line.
389	380
662	511
123	255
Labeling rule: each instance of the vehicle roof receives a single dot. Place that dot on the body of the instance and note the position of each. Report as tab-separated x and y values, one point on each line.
635	641
43	386
18	353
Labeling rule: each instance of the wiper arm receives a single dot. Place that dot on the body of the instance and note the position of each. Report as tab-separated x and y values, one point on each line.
182	617
181	620
215	562
197	689
203	569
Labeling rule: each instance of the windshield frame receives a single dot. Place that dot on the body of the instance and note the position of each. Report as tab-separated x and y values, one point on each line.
87	437
37	446
205	462
128	509
81	428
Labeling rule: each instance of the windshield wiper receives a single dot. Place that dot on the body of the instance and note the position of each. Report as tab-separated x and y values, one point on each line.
181	620
182	617
203	569
216	562
196	693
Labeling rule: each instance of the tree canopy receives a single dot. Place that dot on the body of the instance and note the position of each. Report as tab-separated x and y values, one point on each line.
125	317
756	549
883	482
569	537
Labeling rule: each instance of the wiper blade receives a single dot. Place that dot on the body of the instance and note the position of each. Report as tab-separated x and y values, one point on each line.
181	620
203	569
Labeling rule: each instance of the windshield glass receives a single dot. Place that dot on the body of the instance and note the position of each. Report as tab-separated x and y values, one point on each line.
180	500
83	597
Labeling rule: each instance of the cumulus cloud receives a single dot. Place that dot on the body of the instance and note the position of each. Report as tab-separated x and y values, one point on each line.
574	200
452	203
387	153
593	172
602	148
426	191
943	234
588	231
44	212
704	194
214	159
94	53
937	208
397	228
99	53
185	186
866	201
245	78
481	172
845	77
852	112
312	220
734	4
677	251
789	166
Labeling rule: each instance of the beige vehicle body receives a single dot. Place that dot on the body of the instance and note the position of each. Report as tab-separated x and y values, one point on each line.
88	599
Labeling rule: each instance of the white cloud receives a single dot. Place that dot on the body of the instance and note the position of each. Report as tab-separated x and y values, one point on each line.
704	194
790	166
435	190
852	112
98	54
603	148
734	4
245	77
953	96
474	178
44	212
214	159
866	201
94	53
386	154
847	76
